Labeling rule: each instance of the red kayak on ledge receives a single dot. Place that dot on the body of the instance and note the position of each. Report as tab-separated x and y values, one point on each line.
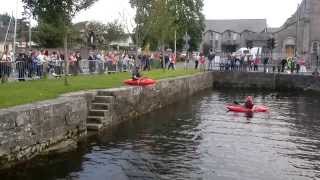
242	109
140	82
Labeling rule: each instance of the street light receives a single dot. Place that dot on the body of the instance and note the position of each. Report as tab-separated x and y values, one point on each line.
318	54
316	71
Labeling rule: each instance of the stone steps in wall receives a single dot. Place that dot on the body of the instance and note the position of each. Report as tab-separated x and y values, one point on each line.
103	99
94	126
95	119
105	93
100	106
100	113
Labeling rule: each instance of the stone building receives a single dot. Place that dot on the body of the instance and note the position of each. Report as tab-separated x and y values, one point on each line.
229	35
300	34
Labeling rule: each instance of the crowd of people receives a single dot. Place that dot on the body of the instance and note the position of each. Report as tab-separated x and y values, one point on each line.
31	64
248	62
38	64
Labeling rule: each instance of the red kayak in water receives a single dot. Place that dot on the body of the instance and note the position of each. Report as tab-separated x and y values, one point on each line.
242	109
140	82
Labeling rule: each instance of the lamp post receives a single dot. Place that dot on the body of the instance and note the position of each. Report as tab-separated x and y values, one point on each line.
316	70
15	33
317	65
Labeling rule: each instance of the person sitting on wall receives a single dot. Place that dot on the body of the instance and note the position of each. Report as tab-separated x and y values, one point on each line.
136	73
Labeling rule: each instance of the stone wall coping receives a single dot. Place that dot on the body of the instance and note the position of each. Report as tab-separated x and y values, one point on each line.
39	104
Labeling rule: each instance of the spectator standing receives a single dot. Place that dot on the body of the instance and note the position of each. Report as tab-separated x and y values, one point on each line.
40	60
265	63
256	64
196	61
283	64
21	63
5	66
211	57
202	61
78	62
172	60
302	63
92	65
72	63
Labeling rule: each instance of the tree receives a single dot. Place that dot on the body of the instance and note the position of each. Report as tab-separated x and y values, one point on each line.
114	31
59	14
104	34
5	19
187	16
48	35
190	19
160	23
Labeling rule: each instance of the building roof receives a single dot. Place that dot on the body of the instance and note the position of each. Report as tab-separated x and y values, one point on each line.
237	25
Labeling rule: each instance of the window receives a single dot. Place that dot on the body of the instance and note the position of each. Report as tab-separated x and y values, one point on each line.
315	47
216	44
235	36
217	36
212	35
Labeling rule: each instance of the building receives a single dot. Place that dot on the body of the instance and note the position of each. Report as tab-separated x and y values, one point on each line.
229	35
300	34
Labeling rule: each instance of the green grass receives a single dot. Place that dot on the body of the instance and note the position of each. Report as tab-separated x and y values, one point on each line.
17	93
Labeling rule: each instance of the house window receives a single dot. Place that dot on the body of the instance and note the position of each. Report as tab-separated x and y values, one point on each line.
212	35
217	36
315	47
216	44
235	36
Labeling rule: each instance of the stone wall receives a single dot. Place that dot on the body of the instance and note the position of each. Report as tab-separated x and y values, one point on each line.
265	81
28	130
130	102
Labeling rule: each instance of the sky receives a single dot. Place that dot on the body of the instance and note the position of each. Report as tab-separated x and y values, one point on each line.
275	11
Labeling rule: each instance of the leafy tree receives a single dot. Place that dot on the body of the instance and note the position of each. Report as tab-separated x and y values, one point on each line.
186	14
5	19
104	34
54	18
114	31
48	35
59	14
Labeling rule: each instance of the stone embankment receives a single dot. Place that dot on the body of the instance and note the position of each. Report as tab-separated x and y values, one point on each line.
268	81
50	126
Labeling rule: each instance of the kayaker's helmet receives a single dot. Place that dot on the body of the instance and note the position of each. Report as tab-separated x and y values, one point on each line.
249	99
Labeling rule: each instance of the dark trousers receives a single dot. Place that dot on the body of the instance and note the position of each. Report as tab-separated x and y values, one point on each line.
171	65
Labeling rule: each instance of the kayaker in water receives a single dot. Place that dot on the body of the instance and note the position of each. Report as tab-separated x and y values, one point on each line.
136	73
249	102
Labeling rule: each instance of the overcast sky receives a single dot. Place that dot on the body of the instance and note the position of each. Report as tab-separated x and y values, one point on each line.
275	11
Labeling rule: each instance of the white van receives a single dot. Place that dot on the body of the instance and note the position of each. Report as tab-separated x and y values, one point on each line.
256	51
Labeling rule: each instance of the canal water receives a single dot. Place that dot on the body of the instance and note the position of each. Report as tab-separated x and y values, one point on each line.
198	139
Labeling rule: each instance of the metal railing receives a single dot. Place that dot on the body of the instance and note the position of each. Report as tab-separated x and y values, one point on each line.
23	70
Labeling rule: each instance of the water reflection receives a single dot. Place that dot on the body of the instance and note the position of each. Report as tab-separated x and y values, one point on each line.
199	139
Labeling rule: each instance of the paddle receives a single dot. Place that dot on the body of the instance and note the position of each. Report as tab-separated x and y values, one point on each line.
236	102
